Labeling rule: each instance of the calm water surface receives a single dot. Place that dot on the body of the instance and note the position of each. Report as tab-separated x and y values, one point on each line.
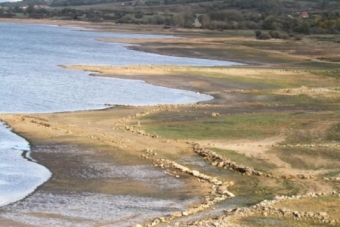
31	81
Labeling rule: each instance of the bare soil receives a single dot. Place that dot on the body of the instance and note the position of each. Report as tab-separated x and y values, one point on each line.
87	150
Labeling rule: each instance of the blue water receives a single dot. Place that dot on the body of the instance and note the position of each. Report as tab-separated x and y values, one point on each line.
18	176
32	81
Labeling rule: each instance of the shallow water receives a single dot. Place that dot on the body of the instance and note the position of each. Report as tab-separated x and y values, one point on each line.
88	209
18	176
90	206
32	81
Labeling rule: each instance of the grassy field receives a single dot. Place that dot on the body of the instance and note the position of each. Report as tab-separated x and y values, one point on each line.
298	101
278	116
197	126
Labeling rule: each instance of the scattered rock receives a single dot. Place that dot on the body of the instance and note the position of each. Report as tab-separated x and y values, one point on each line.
215	114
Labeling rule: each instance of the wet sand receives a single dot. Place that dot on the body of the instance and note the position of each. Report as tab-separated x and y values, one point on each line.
98	177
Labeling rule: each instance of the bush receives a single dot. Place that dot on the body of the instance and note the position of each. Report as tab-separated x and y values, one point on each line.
274	34
249	25
284	36
264	36
318	30
139	15
257	34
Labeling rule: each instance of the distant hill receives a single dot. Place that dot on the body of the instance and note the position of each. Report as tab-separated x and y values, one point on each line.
284	18
275	6
26	3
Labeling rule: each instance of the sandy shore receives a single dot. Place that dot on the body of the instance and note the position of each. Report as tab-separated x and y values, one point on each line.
91	161
94	163
100	177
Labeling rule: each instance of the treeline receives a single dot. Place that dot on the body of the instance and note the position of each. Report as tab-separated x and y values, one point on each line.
328	22
263	6
59	2
233	19
171	2
83	2
278	5
229	14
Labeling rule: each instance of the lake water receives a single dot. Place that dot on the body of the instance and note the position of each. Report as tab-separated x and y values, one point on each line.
31	81
18	175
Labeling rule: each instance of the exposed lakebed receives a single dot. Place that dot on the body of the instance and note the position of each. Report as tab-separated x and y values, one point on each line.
33	82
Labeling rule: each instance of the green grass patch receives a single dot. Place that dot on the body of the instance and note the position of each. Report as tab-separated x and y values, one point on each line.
305	132
329	204
334	133
21	15
261	81
330	72
257	54
315	158
301	100
244	126
259	221
308	47
257	164
316	66
327	37
216	33
331	59
252	190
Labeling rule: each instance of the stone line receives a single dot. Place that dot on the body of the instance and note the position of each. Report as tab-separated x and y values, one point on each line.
219	190
265	208
219	161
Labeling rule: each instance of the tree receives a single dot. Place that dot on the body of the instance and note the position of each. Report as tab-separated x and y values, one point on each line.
290	24
189	19
205	20
324	4
268	23
303	27
17	9
226	15
30	10
180	20
157	19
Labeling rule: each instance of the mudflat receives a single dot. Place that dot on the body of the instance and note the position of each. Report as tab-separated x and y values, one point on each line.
264	150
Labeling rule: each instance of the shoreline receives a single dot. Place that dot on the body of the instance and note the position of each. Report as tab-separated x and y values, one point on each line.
25	154
147	45
15	121
12	119
165	46
252	99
